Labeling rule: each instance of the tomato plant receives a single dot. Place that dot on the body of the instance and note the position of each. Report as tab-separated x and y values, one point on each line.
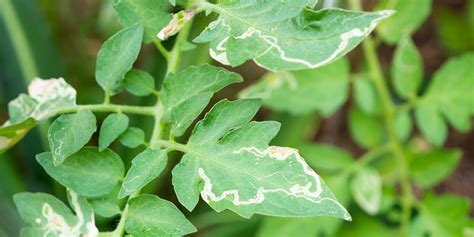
220	154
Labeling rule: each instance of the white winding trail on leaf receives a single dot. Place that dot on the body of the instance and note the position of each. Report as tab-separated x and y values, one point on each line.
56	225
297	190
273	42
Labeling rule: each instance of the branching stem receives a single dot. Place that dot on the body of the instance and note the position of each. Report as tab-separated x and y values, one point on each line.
389	108
141	110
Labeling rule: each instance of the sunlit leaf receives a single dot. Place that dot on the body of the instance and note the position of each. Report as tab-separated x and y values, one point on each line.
89	173
149	215
116	57
69	133
284	35
230	163
146	166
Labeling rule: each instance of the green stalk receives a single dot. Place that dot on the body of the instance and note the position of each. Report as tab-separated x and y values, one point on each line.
389	108
19	40
173	58
141	110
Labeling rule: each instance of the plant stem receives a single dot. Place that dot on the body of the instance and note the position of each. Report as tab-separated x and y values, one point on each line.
19	40
118	232
377	77
173	145
156	135
163	50
142	110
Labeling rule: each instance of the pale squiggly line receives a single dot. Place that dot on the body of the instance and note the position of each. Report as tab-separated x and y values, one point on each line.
273	43
278	153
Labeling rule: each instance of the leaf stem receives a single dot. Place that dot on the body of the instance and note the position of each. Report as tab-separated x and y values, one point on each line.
162	50
118	232
142	110
173	145
377	77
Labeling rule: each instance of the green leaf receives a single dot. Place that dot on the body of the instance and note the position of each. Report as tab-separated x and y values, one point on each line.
112	127
12	134
365	95
403	125
44	99
108	205
283	34
105	208
429	169
116	57
455	32
149	215
326	157
89	173
449	96
69	133
145	167
150	13
48	216
186	94
441	216
132	137
365	130
407	69
408	18
366	187
230	163
139	83
323	89
301	227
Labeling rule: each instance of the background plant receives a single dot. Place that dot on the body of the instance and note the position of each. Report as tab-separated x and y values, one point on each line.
379	120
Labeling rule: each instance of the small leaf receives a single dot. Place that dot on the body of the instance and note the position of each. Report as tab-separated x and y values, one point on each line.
445	215
151	13
116	57
12	134
403	125
409	16
366	188
366	96
44	99
431	124
365	130
186	94
449	96
326	157
139	83
149	215
429	169
285	35
407	69
21	108
105	208
132	137
69	133
108	205
230	163
46	215
323	89
145	167
112	127
89	173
